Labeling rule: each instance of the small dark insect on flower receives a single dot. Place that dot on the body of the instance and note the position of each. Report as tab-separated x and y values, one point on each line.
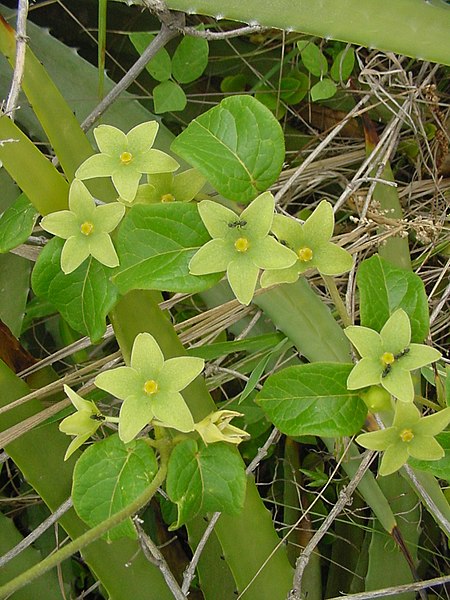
386	371
237	224
402	353
97	417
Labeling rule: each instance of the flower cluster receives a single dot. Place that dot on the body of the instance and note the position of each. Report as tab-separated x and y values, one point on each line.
258	239
150	390
387	359
86	227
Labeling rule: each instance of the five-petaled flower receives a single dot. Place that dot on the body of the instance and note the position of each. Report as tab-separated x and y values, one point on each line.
167	187
125	157
83	423
241	245
86	227
388	356
410	435
150	388
216	428
311	243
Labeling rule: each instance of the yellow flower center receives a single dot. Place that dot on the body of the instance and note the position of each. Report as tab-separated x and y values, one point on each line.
167	198
406	435
387	358
151	387
87	228
305	254
126	158
242	244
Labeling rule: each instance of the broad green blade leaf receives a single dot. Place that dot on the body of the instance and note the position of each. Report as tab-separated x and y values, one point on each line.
202	479
160	67
438	468
312	399
156	243
238	146
383	288
168	96
17	223
343	64
108	476
323	89
15	286
31	170
46	586
312	58
84	297
190	59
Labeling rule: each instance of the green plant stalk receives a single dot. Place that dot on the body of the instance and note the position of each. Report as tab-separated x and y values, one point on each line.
39	456
300	314
92	534
417	29
64	132
249	539
33	173
302	532
102	9
395	249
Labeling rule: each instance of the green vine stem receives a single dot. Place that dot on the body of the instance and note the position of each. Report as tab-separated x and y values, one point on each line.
92	534
417	28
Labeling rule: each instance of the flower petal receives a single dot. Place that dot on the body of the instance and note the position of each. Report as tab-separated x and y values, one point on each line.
399	383
80	423
216	218
146	356
393	458
418	356
396	332
378	440
270	254
433	424
406	415
108	216
187	185
259	215
318	228
62	223
179	372
110	140
79	402
75	444
155	161
74	252
287	229
102	249
330	259
275	276
425	448
98	165
126	180
172	411
135	414
366	372
81	201
141	138
242	277
121	382
213	257
366	341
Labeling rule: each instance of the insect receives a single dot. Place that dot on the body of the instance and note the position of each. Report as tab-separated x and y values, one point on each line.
402	353
239	224
97	417
386	371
